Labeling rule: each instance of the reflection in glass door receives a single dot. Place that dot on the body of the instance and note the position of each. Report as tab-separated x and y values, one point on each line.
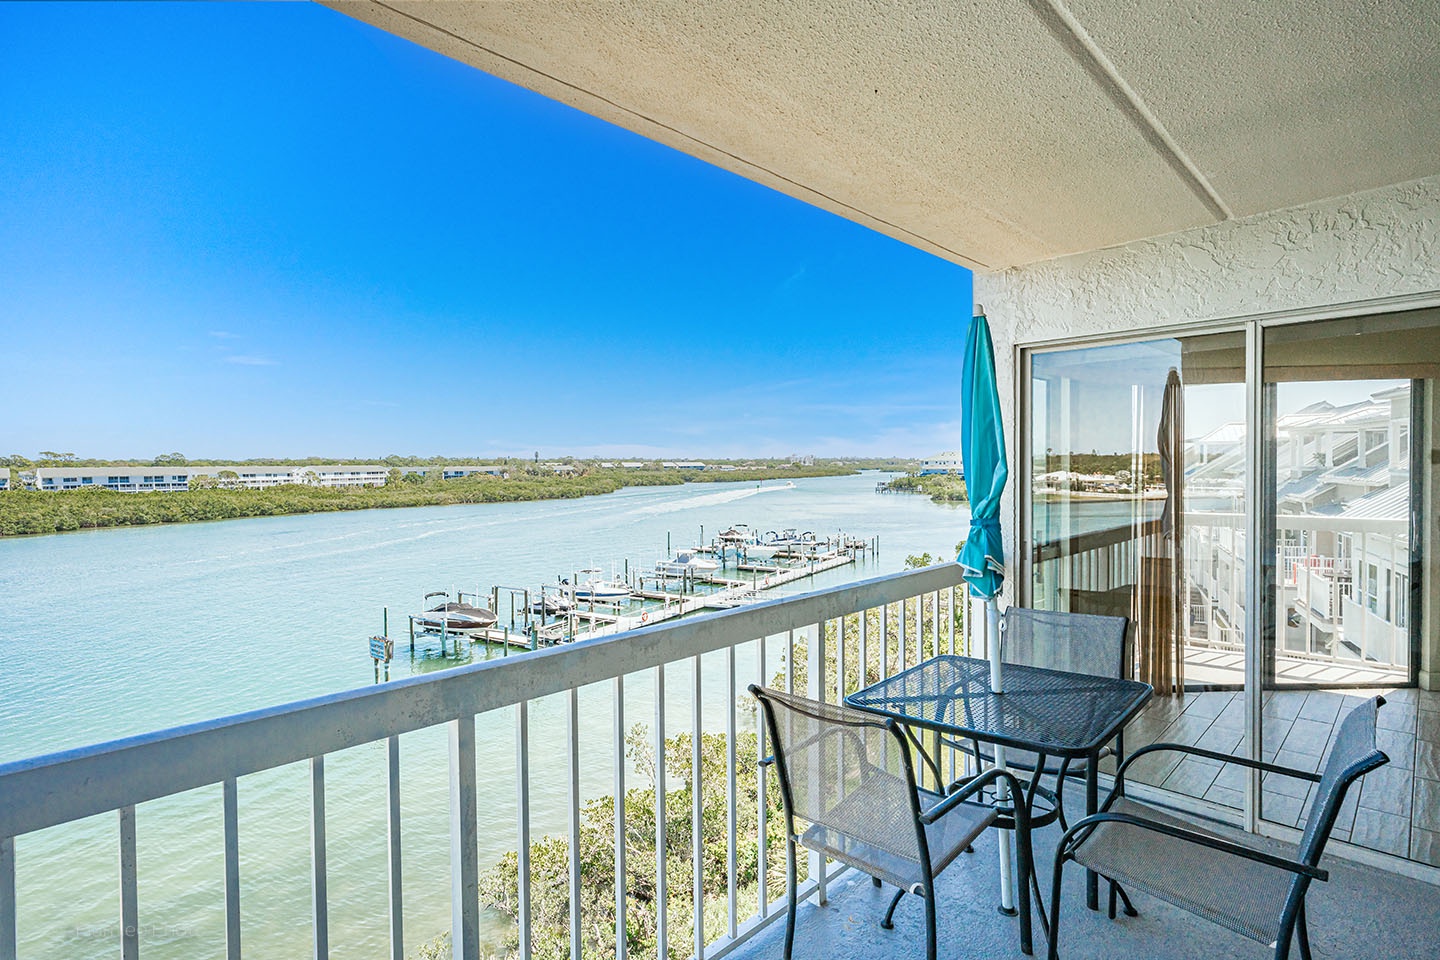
1342	506
1137	477
1345	479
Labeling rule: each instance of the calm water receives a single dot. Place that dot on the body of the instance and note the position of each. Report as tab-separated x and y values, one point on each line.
112	633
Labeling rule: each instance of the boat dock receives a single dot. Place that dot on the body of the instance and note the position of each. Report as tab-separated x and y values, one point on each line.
732	593
639	599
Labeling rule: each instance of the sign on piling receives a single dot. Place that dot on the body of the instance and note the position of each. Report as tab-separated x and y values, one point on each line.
381	649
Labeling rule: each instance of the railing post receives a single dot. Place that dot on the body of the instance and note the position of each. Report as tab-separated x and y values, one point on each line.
622	945
129	901
7	899
662	886
522	812
319	894
762	813
815	689
731	826
392	834
230	806
697	814
464	849
572	738
884	641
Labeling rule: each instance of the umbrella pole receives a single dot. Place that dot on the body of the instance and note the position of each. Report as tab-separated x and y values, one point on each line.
1007	867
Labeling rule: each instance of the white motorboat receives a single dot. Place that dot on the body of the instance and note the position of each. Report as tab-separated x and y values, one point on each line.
687	562
594	588
551	603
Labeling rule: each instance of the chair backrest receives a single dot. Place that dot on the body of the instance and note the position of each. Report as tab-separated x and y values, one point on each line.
843	769
1352	755
1078	642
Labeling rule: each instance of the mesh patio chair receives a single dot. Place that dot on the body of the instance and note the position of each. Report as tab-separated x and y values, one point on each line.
1077	642
1235	883
850	777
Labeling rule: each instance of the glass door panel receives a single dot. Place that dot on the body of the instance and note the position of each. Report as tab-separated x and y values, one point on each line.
1346	474
1136	508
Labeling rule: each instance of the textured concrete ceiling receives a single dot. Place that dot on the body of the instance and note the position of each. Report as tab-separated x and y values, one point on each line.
992	133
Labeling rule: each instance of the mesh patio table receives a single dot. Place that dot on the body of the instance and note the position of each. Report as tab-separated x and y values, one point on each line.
1051	712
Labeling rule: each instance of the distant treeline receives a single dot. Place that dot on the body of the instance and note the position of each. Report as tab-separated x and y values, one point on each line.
1102	464
942	487
30	512
49	458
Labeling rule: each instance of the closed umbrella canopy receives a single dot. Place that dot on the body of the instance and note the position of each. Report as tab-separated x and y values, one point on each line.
986	470
982	559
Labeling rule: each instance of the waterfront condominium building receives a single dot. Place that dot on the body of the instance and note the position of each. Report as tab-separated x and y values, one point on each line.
253	476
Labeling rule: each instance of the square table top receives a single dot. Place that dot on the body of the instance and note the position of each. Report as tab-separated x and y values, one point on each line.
1056	712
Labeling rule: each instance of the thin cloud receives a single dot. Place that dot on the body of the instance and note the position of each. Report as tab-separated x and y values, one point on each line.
252	361
224	335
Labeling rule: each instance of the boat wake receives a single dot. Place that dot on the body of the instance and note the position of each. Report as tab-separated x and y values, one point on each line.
701	500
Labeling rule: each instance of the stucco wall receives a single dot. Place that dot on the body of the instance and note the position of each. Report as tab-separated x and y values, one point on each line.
1367	247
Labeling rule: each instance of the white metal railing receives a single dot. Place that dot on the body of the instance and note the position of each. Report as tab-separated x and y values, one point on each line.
117	777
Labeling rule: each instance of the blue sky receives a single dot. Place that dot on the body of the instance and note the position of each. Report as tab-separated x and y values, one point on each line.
246	230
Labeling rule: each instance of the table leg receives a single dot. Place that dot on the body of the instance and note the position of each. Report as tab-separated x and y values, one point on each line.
1092	801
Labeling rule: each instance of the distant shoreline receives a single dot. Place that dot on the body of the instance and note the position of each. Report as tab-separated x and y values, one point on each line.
36	513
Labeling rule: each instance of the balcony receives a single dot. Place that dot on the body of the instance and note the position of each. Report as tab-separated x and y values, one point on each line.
883	624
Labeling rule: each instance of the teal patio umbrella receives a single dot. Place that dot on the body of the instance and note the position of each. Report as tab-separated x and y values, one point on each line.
982	559
983	452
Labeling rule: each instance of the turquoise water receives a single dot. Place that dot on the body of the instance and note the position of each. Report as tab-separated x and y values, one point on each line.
112	633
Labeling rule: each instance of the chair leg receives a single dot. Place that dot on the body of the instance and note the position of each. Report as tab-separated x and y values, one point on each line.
1111	911
1027	877
791	903
1130	910
875	881
1054	953
930	948
1303	930
889	914
1060	802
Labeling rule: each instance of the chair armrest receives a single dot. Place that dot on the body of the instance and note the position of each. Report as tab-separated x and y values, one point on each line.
766	761
1193	836
973	786
1216	755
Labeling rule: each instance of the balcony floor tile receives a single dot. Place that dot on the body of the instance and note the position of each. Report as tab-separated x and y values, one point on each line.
1361	912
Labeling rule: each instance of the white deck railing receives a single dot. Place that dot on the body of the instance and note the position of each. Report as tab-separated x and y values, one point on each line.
116	777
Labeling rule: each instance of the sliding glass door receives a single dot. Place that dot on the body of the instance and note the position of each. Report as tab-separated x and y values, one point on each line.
1261	504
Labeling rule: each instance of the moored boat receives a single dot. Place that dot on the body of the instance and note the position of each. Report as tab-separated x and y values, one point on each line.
594	588
452	616
687	562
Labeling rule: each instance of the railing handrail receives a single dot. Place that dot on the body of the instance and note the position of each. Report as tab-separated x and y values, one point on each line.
57	788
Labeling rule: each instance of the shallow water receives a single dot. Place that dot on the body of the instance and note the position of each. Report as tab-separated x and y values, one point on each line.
112	633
